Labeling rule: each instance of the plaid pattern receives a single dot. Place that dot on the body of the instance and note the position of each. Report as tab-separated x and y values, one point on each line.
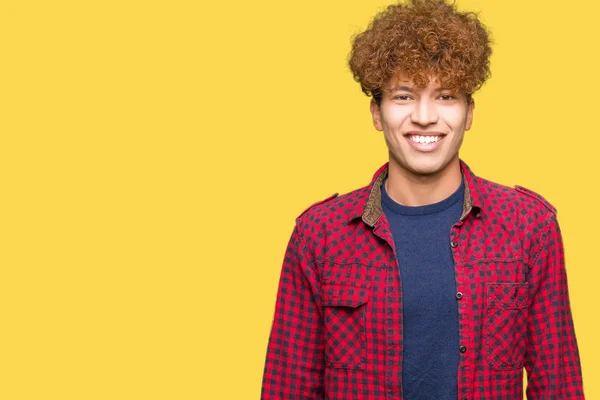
337	327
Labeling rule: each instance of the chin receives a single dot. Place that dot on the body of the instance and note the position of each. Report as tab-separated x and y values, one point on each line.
424	167
425	171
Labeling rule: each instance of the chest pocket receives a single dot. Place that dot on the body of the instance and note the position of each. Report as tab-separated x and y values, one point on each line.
344	313
506	324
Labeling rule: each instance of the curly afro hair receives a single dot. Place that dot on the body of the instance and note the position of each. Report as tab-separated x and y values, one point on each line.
419	39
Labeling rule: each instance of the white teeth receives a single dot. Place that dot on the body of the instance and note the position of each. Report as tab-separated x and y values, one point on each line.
425	139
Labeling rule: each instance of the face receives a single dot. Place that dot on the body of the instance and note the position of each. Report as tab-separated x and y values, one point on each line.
423	127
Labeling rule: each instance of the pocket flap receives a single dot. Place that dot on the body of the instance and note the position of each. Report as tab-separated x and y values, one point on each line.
345	295
507	295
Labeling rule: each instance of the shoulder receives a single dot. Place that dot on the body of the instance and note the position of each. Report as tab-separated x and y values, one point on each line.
536	198
312	206
333	209
520	197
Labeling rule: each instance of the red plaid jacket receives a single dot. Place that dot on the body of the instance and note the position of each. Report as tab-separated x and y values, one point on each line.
337	329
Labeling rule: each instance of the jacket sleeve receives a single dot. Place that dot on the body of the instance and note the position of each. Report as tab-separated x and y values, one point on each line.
294	362
552	358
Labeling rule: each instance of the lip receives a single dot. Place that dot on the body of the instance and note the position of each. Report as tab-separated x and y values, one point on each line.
425	147
421	133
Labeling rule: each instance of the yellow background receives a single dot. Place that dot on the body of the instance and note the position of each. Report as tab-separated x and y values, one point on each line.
154	155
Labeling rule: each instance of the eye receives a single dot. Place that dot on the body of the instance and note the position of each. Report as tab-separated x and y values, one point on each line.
447	97
402	97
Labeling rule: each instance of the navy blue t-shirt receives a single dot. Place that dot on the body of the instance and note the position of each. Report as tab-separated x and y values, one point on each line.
430	311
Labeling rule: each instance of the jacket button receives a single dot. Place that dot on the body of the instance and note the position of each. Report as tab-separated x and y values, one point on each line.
462	349
459	295
454	243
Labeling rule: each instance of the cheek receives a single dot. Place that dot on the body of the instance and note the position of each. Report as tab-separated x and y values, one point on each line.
455	119
393	118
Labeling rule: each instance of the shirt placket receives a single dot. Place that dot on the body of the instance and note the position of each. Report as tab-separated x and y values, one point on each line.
459	234
393	315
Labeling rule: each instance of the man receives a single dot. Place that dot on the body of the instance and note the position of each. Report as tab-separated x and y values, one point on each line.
430	282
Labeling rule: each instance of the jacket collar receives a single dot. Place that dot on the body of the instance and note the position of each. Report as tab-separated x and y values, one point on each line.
369	207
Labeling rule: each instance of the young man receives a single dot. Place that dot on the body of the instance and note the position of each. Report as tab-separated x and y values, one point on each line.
430	282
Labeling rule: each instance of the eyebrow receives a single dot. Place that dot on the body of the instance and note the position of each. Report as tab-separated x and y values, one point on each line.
410	89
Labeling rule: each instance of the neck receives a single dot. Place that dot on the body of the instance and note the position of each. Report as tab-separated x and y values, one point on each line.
412	189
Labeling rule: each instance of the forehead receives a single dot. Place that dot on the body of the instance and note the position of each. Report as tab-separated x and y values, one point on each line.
396	83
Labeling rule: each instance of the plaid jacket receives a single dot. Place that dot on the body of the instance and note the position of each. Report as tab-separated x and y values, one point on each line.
337	328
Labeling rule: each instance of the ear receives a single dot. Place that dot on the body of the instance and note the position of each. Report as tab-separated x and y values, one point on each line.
376	113
469	120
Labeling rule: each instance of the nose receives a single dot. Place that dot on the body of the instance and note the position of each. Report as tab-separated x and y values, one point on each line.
424	113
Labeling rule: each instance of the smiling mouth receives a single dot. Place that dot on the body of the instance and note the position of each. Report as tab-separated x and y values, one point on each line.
425	143
425	139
